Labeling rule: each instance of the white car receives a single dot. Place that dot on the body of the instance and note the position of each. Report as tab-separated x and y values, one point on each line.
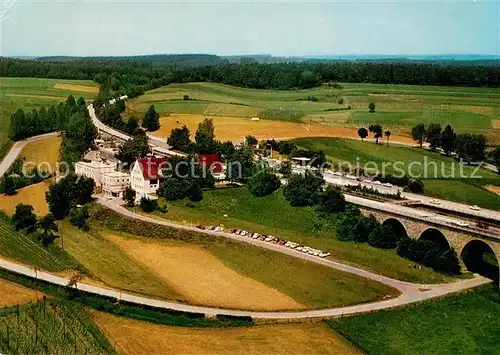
269	239
377	182
387	184
324	255
243	233
474	208
435	202
367	181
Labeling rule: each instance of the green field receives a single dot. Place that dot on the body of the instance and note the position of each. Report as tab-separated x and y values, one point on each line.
33	93
18	246
310	284
273	215
442	175
467	323
51	328
399	107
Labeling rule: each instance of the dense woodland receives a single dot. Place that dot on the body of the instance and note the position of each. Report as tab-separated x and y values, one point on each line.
133	75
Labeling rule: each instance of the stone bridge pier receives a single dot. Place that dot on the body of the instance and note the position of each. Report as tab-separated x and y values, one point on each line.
471	249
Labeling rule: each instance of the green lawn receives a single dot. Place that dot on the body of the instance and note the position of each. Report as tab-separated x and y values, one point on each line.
399	107
310	284
30	93
273	215
18	246
467	323
442	175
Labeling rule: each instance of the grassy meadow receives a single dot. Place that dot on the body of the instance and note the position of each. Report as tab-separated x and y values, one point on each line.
33	93
176	256
445	181
399	107
273	215
466	323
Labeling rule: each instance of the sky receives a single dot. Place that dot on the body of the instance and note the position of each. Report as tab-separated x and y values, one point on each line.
292	28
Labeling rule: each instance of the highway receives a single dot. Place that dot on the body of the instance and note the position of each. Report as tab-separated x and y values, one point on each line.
159	144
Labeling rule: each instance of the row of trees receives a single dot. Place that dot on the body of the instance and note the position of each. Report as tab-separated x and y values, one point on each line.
134	74
470	147
25	219
27	124
355	227
377	130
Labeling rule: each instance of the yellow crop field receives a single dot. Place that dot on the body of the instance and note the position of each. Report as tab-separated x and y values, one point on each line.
42	154
236	128
202	278
32	195
136	337
12	294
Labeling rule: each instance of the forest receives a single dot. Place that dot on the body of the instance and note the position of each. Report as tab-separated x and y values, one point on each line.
134	75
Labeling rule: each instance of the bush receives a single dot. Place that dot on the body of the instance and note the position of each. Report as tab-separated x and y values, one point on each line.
383	237
303	190
355	228
429	254
24	218
148	205
78	217
263	183
416	186
331	201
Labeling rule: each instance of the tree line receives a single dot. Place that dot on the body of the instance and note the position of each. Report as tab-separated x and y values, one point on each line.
133	75
27	124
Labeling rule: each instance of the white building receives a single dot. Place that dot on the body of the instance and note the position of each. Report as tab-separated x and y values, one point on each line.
93	170
115	183
146	176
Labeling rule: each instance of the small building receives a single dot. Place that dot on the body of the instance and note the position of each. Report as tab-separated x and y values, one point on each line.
115	183
213	163
93	170
146	176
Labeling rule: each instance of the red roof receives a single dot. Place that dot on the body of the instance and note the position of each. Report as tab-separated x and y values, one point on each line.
212	161
151	166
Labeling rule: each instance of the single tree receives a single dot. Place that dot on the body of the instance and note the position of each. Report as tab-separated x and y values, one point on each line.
331	201
78	217
180	139
129	196
132	125
471	147
433	136
418	133
377	131
303	190
186	98
134	148
70	101
362	133
263	183
371	107
48	226
148	205
151	120
416	186
388	135
24	218
8	185
448	140
251	140
205	137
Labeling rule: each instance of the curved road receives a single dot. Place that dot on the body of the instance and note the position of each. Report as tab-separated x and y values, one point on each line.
410	292
16	149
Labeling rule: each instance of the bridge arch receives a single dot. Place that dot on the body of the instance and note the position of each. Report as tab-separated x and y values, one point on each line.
480	258
436	236
398	226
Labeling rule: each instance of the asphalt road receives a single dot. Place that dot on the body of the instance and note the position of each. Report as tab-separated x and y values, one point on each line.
17	148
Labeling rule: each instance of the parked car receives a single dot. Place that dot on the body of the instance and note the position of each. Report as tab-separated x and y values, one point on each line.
474	208
199	226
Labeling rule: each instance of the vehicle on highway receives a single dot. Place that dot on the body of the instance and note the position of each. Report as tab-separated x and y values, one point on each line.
474	208
199	226
388	184
435	202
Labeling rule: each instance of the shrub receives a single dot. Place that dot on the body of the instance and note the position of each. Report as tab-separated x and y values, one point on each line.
355	228
263	183
303	190
331	201
383	237
78	217
416	186
24	218
148	205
